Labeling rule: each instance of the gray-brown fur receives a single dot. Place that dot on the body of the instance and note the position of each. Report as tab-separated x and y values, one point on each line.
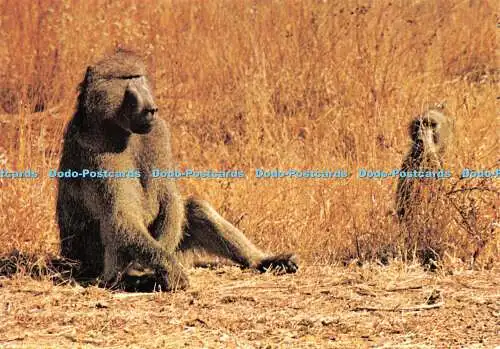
431	134
133	228
420	202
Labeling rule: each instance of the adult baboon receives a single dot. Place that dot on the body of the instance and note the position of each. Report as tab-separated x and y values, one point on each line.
416	197
124	228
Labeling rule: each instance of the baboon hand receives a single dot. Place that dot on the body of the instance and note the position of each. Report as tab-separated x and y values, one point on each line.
172	280
280	264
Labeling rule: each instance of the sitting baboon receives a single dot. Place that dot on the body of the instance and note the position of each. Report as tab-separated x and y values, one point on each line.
119	228
431	134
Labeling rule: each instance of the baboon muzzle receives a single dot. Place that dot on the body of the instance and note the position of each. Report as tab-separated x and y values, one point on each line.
426	136
139	106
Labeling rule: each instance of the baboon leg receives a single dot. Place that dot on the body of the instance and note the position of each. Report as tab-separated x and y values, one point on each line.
111	266
206	229
122	246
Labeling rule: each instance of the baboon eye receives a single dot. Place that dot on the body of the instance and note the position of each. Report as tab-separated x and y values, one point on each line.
429	123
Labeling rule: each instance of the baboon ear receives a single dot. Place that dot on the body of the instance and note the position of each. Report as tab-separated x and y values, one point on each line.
413	128
452	123
89	75
87	80
441	105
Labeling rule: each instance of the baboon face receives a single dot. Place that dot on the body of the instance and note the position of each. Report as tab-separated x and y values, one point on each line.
431	131
125	101
138	110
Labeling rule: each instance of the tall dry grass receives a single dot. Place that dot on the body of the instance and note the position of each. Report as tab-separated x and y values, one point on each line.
266	84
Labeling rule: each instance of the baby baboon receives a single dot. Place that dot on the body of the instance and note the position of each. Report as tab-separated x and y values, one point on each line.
431	134
132	228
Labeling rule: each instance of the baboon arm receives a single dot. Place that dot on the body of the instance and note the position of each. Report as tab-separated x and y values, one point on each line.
168	225
117	203
126	233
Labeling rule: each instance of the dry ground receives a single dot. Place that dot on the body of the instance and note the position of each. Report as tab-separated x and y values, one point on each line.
320	307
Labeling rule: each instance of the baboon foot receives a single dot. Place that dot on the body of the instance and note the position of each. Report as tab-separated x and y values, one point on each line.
159	281
143	283
280	264
137	278
134	279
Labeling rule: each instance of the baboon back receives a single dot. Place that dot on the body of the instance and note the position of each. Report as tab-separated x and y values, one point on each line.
78	228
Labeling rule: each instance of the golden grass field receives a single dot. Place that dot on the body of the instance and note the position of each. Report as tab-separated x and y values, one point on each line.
268	84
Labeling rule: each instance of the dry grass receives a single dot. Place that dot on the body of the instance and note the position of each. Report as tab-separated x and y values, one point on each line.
264	84
254	84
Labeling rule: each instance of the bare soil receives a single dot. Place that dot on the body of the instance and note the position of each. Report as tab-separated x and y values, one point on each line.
320	307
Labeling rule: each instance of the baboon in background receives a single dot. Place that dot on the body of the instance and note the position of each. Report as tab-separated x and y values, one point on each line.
125	228
431	134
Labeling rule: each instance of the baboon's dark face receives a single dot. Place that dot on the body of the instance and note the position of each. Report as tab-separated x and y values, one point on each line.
430	132
425	134
125	101
138	110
